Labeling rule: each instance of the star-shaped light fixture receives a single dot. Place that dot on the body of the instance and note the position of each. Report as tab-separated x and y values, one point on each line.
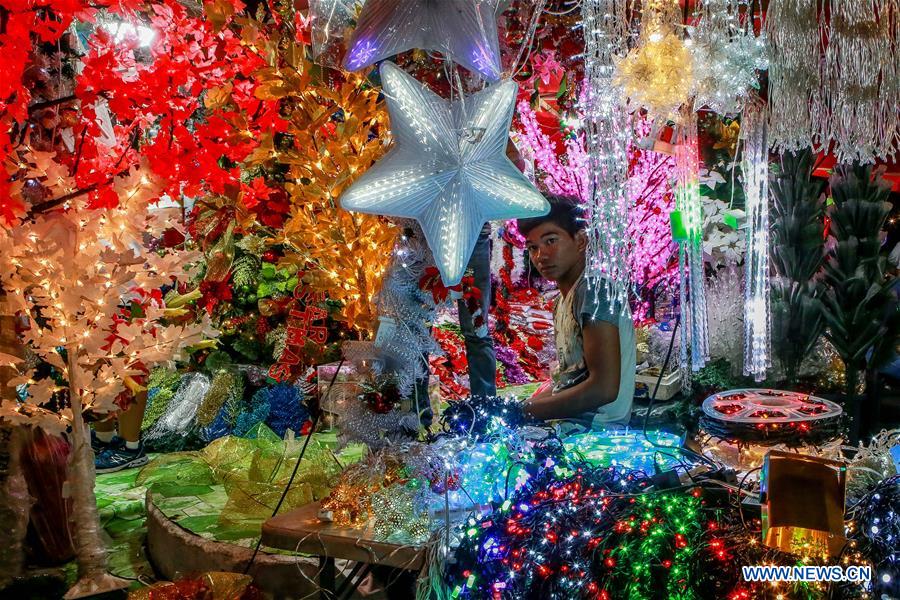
448	168
464	30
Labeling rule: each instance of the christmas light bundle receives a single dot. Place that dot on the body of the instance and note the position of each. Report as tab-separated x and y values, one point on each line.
583	532
877	533
625	449
760	416
791	434
481	416
587	534
733	538
873	463
469	471
747	458
479	473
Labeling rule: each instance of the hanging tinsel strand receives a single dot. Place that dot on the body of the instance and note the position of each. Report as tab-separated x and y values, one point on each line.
794	79
833	77
859	80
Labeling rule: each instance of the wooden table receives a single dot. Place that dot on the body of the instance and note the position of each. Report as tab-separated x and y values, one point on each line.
301	531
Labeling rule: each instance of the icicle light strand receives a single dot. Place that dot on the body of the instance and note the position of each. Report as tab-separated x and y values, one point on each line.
607	128
756	190
694	329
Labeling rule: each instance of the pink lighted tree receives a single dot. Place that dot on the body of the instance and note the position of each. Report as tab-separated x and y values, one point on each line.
651	199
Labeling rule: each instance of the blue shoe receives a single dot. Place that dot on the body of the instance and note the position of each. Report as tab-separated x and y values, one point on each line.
98	445
117	458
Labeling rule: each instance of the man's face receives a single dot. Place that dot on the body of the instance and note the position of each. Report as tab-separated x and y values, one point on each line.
553	251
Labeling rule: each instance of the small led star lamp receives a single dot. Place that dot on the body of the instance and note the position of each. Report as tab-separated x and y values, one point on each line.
464	30
448	168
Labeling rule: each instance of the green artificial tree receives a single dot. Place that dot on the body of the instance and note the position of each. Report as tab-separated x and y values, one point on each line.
859	306
798	251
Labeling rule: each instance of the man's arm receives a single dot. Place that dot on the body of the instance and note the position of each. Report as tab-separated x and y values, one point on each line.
602	357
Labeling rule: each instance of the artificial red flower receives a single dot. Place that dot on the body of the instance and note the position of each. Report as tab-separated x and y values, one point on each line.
214	292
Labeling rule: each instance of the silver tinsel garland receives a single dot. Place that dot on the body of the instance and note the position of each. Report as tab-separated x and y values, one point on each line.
833	77
181	414
406	312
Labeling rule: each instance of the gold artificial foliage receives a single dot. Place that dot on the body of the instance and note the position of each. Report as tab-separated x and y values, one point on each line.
218	97
337	127
338	132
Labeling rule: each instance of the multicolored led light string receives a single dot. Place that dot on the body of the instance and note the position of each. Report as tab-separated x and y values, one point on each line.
626	449
588	534
479	417
876	529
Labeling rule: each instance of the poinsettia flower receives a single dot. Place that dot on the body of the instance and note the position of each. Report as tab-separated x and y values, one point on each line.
214	293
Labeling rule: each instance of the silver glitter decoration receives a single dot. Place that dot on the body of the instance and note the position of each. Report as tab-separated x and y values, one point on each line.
727	55
724	295
406	312
361	424
330	23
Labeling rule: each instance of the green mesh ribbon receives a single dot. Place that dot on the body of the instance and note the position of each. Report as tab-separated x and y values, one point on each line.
254	471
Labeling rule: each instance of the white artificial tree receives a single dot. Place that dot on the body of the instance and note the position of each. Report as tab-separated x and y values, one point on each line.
72	270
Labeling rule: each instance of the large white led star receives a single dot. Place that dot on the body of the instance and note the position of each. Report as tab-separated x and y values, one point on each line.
448	168
464	30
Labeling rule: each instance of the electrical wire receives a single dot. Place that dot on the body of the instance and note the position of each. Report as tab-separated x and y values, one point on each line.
290	482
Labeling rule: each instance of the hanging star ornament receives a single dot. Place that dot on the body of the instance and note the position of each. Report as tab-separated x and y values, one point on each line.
448	168
464	30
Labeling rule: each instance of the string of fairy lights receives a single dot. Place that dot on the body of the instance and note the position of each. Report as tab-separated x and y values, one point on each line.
590	515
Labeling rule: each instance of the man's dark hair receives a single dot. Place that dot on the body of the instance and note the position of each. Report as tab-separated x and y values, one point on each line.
565	212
